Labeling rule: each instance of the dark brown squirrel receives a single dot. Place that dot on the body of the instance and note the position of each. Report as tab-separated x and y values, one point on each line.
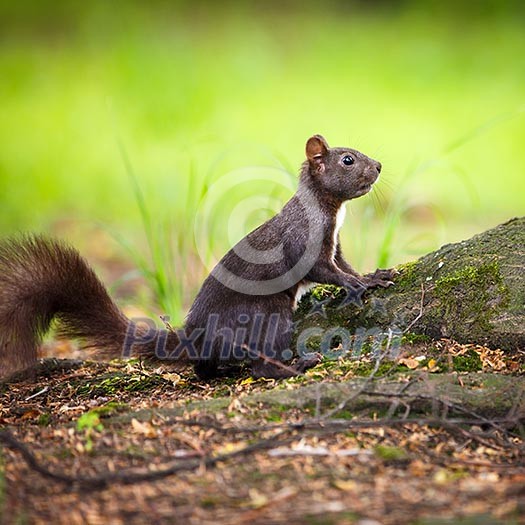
244	308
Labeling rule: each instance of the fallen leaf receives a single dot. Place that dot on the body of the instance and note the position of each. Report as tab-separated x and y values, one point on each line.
144	428
410	362
347	484
257	499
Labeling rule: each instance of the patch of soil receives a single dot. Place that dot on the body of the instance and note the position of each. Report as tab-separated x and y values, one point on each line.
242	453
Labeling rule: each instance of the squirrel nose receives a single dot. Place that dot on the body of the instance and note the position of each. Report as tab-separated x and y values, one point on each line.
378	167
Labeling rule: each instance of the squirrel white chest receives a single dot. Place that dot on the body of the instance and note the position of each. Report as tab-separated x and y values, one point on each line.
339	220
306	286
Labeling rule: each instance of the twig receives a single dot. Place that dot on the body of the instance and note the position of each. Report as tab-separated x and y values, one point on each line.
359	391
127	477
275	362
43	391
449	404
11	442
420	314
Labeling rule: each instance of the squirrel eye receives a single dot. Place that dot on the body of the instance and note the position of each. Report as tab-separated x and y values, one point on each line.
347	160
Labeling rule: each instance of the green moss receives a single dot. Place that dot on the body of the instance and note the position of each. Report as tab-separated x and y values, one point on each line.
210	502
319	293
111	408
366	368
468	362
407	273
412	339
44	419
326	291
115	384
314	343
387	453
483	274
89	421
472	294
274	417
344	414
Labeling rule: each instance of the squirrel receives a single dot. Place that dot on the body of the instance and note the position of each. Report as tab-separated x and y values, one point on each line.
244	308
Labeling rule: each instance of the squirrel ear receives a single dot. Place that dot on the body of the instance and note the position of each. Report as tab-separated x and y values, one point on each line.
316	149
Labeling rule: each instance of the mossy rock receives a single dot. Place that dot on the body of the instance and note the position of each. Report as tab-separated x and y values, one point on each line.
472	291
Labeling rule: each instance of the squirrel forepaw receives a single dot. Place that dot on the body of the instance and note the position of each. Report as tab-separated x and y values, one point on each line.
382	278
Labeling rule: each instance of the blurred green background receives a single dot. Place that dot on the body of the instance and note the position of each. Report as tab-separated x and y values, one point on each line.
186	93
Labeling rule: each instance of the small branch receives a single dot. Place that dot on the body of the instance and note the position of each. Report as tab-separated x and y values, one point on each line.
359	391
43	391
420	314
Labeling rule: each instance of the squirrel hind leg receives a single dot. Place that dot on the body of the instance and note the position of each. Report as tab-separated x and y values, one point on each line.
207	372
206	369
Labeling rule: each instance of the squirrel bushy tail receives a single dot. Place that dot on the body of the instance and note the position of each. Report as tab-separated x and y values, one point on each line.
42	280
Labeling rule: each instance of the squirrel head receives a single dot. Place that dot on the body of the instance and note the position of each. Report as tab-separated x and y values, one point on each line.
339	173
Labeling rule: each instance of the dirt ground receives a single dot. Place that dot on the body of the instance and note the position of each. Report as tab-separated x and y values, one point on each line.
239	451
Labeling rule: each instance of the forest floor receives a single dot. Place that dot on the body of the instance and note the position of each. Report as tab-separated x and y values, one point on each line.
348	442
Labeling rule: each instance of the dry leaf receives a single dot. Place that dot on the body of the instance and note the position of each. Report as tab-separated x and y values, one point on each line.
31	414
144	428
257	499
410	362
347	484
